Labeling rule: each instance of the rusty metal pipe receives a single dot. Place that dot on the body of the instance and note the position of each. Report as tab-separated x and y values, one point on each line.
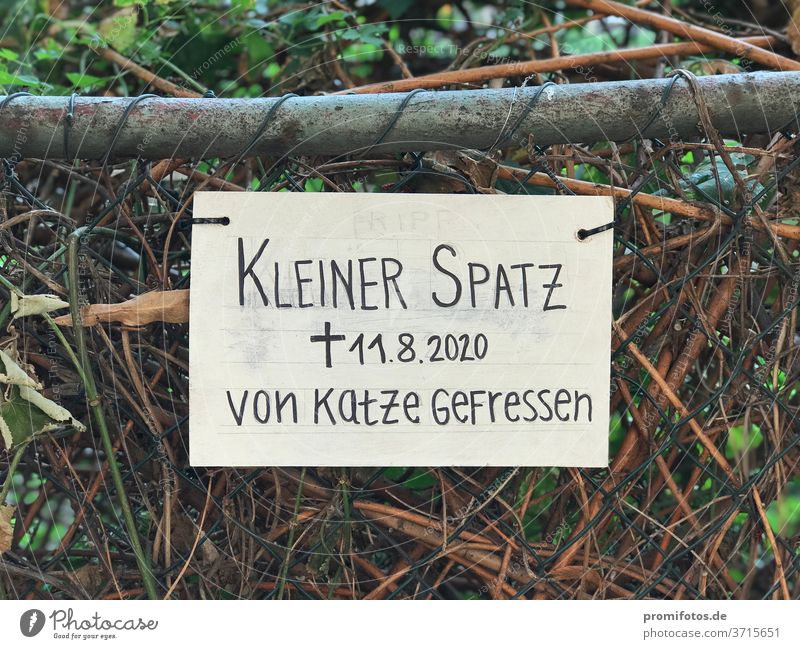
157	128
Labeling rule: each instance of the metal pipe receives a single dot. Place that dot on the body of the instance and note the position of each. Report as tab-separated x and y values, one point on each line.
157	128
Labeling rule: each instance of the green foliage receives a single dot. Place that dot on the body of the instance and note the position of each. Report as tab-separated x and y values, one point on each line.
246	48
23	419
739	443
783	513
714	181
418	480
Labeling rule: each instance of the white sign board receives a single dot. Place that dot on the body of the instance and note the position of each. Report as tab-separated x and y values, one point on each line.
342	329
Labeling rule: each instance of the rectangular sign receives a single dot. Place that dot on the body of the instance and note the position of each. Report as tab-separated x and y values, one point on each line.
342	329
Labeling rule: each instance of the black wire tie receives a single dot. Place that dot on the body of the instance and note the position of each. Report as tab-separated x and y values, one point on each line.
216	220
584	234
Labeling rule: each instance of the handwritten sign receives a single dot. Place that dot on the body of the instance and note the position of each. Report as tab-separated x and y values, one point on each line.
341	329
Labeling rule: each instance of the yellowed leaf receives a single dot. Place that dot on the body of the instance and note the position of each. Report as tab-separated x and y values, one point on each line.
5	433
25	412
48	407
14	374
6	530
157	306
22	305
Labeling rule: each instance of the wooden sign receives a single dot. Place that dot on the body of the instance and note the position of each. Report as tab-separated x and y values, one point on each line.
348	329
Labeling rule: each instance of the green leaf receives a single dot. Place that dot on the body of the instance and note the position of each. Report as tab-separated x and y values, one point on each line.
84	81
52	51
396	8
8	79
119	29
739	443
324	19
258	48
783	514
25	412
369	34
314	185
419	479
147	51
703	181
20	420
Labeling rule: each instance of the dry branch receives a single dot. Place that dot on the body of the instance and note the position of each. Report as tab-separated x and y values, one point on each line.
682	29
525	68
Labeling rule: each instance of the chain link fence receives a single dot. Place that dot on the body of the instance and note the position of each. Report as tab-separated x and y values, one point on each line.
702	495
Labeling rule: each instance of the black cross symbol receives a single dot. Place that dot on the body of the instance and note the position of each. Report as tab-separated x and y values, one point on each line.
327	338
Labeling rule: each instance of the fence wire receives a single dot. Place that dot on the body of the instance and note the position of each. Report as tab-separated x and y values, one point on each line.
702	495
